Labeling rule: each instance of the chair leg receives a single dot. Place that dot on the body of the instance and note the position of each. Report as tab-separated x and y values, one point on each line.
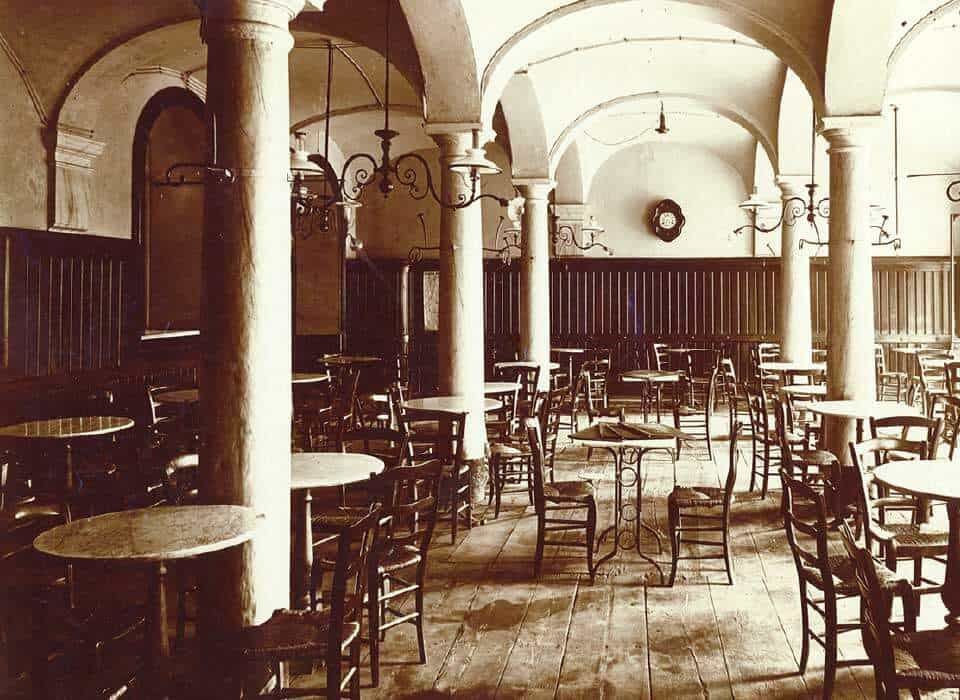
766	471
500	480
492	479
373	627
753	467
421	647
830	648
805	625
538	556
674	520
591	534
454	505
726	552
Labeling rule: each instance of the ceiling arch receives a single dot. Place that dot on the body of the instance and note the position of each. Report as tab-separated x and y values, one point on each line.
738	15
727	111
528	140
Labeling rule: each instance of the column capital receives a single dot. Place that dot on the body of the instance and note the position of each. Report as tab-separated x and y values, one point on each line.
275	12
451	128
792	186
845	133
534	187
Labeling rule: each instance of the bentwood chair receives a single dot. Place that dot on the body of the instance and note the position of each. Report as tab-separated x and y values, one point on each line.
825	578
910	660
555	504
399	566
694	417
331	634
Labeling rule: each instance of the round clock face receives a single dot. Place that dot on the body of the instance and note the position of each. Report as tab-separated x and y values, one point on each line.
668	220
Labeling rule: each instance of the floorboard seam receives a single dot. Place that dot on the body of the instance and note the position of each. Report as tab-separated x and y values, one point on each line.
566	637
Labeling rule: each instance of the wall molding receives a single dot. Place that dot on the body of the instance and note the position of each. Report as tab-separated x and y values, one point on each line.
32	93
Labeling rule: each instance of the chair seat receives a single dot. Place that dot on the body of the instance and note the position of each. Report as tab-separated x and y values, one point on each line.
930	658
820	458
339	517
893	375
580	491
845	575
693	496
911	539
397	558
506	449
292	634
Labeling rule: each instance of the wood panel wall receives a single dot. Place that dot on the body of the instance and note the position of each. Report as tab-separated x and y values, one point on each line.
625	304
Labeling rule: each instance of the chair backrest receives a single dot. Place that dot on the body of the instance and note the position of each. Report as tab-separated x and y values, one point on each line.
951	413
952	371
730	482
805	523
659	358
528	377
878	359
503	422
757	406
874	615
781	410
354	542
386	443
535	440
411	494
180	479
873	452
929	429
932	374
447	441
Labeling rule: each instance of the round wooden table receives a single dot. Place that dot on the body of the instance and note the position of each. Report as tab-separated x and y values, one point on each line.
806	390
318	470
512	364
859	410
450	404
310	377
152	536
499	388
778	366
67	430
348	360
178	396
649	379
939	480
570	353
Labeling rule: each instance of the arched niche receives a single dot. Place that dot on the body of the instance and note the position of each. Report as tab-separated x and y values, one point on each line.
168	221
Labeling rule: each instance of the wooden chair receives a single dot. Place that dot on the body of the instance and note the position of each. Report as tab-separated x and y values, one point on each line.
689	503
399	566
387	444
931	378
528	377
951	420
891	386
813	466
763	379
510	459
897	541
765	441
659	357
597	371
550	500
447	445
911	660
831	575
694	417
331	634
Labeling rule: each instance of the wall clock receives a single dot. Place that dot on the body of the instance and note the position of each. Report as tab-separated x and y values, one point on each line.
668	220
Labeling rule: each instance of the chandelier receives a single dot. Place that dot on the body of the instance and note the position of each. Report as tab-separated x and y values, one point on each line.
409	170
812	208
507	240
564	235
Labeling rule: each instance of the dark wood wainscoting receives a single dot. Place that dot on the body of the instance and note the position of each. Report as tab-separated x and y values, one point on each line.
625	304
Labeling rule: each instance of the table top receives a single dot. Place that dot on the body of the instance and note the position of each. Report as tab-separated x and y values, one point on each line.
178	396
525	363
67	428
451	404
317	470
779	366
936	478
664	436
310	377
862	409
650	375
568	351
497	388
344	360
150	534
682	350
805	390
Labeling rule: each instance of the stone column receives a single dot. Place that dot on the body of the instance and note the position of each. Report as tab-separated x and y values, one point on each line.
850	371
245	370
796	335
535	275
460	335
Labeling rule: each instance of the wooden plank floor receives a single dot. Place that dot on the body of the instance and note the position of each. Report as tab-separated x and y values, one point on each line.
494	631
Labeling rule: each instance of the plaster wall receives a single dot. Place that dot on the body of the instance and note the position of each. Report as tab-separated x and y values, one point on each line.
23	179
628	186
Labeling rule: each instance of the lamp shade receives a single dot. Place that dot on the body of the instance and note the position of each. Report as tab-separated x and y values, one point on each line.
754	202
475	160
